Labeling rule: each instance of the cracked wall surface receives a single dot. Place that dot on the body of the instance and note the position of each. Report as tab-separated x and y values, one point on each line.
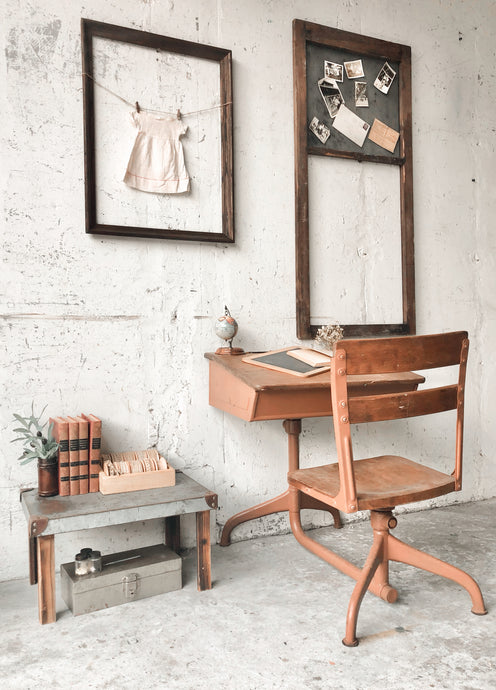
118	327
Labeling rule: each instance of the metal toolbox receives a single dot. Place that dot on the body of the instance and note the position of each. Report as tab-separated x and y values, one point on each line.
125	576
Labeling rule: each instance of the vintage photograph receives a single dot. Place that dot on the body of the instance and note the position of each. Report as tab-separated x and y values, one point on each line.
331	94
354	69
361	96
320	129
384	78
333	70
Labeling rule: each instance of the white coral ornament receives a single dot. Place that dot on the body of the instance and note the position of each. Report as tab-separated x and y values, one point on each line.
328	335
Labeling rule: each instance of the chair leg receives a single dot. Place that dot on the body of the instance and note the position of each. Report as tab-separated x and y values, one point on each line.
404	553
375	573
381	589
312	545
374	560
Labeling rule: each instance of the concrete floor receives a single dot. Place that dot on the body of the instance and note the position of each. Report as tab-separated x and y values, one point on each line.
275	619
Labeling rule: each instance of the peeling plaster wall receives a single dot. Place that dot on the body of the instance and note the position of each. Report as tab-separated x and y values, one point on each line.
118	327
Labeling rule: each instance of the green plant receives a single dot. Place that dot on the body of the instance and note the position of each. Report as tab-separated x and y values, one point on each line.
36	443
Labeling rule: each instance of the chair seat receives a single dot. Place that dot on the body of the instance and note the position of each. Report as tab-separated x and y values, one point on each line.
382	482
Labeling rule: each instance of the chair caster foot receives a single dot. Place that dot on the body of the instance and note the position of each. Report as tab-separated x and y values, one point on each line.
353	643
225	538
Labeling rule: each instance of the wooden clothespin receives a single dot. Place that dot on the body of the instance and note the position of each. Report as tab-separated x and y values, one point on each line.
137	107
178	114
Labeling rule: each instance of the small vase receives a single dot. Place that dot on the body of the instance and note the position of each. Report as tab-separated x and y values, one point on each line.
48	477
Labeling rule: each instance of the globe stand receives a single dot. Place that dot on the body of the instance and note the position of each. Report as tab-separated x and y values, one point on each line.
229	350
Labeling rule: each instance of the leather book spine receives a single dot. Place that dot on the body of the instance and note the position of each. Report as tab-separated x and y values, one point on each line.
73	456
83	455
61	435
94	451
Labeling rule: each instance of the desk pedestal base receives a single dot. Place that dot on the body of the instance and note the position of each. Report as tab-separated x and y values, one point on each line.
280	503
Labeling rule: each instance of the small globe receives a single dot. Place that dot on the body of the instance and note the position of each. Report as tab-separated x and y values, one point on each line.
226	327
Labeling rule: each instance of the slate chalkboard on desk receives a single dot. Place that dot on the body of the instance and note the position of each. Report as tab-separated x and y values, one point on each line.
279	360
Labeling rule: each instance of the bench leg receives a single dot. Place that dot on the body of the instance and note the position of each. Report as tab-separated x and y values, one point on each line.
46	579
204	578
173	532
33	561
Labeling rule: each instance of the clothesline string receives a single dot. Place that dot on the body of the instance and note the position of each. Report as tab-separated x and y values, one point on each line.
150	110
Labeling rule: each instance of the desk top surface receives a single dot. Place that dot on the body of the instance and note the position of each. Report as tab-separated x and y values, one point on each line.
260	378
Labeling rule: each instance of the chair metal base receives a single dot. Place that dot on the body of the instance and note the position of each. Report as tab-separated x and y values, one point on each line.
374	576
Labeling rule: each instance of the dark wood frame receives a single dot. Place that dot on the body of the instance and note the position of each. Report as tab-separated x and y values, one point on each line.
307	32
90	29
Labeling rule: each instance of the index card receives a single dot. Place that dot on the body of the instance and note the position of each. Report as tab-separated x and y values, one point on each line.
313	357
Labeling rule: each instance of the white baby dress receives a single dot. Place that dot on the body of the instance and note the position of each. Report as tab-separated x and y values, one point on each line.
156	163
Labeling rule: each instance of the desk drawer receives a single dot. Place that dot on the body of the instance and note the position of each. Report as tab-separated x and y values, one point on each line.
279	404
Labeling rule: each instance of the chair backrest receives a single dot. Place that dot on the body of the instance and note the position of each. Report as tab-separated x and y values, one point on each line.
389	356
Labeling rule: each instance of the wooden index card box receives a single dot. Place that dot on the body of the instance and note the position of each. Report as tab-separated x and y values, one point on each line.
125	576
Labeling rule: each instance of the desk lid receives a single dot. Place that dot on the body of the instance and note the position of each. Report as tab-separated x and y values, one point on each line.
261	379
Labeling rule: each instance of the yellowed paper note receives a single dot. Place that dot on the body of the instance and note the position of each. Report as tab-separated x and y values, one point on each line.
383	136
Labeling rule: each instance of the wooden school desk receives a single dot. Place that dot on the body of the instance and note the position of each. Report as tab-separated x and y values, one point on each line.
254	394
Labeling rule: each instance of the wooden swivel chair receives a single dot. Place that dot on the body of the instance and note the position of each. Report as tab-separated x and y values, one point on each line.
379	484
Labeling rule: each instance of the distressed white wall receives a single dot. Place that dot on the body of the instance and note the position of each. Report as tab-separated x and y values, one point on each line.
118	327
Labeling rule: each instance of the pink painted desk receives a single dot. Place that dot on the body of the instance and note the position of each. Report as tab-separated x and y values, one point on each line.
254	394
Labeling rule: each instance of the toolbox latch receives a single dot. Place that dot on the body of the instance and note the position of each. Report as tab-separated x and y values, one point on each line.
130	585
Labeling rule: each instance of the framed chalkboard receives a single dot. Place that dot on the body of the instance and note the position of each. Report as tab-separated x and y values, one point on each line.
280	360
354	92
352	99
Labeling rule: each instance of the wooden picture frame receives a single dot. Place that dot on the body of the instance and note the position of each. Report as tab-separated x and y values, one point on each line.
92	29
308	36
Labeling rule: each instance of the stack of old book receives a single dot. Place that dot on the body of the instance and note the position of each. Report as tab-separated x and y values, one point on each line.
79	441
